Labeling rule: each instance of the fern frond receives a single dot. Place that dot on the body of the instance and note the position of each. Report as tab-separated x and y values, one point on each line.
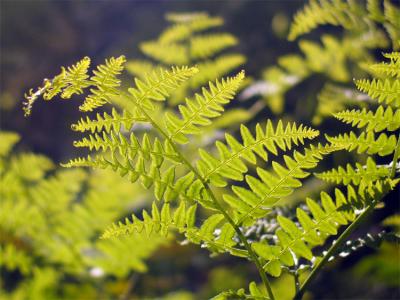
108	122
166	186
394	56
254	293
197	112
208	45
140	68
360	174
391	68
230	162
71	80
105	82
76	78
298	239
316	13
274	185
366	142
183	220
382	119
384	90
130	147
158	222
8	140
169	54
211	69
158	85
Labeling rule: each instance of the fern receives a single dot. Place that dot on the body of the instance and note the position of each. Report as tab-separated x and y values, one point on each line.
266	190
108	122
185	43
350	15
187	195
323	12
106	83
39	201
158	85
76	79
230	162
198	112
356	176
388	68
314	230
382	90
254	293
366	142
209	45
381	119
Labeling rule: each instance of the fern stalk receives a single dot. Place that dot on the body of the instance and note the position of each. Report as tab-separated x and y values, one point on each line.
332	250
215	201
395	158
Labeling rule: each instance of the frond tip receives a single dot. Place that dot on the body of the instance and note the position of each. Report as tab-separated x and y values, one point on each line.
105	82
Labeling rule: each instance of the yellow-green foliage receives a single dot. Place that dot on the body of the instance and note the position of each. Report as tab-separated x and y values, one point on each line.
350	15
50	220
190	40
366	27
211	192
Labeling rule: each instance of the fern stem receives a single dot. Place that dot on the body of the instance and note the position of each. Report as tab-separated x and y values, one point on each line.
242	238
395	158
332	250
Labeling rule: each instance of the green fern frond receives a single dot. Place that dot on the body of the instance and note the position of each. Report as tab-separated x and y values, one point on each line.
211	69
368	173
366	142
8	140
166	186
316	13
169	54
392	13
105	82
183	220
271	186
157	222
205	46
384	90
108	122
158	85
71	80
130	147
230	162
394	56
197	112
255	293
76	79
139	68
298	239
391	68
374	10
382	119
